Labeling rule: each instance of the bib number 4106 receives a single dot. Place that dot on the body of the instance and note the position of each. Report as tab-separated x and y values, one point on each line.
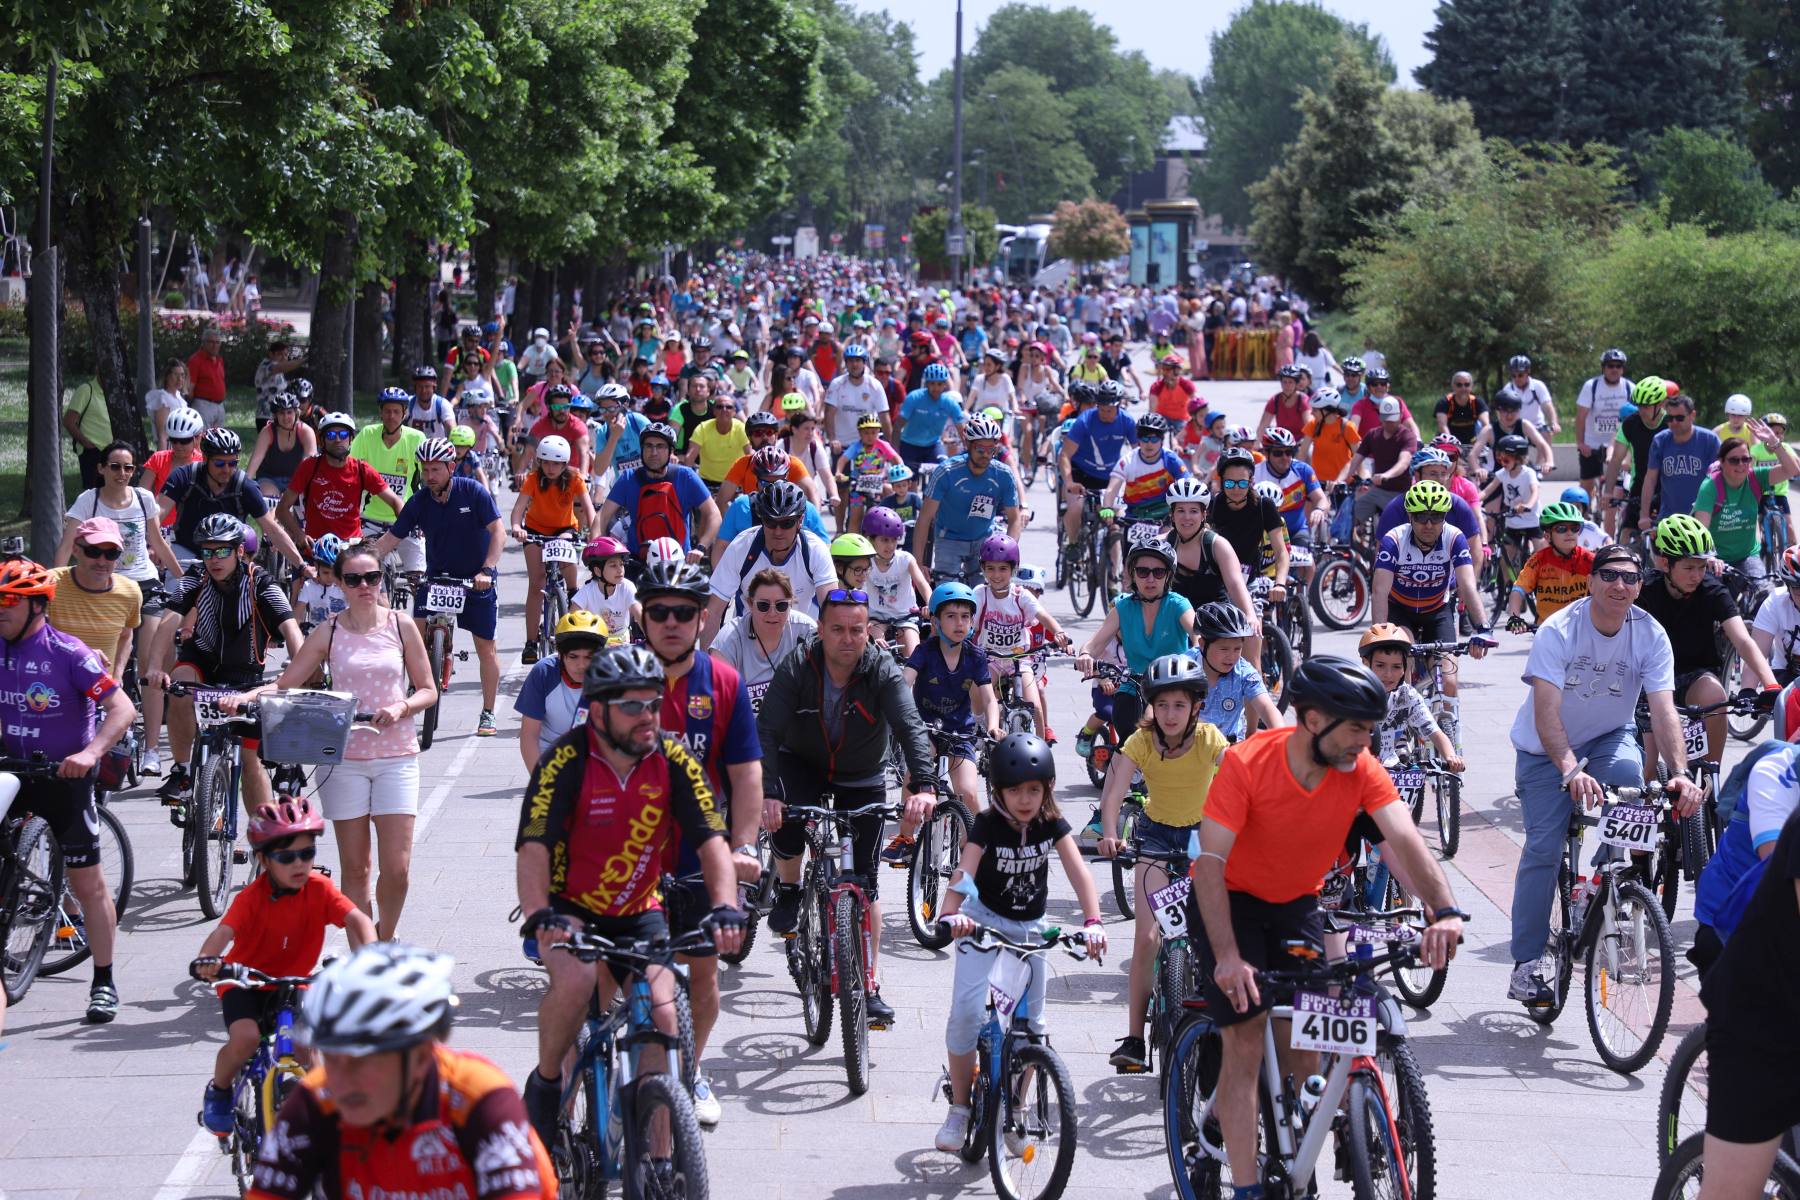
1332	1025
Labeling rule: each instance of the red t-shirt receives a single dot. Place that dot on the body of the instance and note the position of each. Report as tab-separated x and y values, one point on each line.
160	465
576	432
1291	418
331	497
284	937
206	377
824	360
1172	402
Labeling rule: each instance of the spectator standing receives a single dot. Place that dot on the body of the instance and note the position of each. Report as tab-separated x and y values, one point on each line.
86	419
159	402
206	380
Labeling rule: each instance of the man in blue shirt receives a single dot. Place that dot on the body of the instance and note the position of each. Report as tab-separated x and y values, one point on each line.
657	498
965	497
463	539
615	435
1680	456
925	413
1091	449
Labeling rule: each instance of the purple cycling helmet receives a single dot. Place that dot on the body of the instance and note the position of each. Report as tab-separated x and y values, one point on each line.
883	522
999	548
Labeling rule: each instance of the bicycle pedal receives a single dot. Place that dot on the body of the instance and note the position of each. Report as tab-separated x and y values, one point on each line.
240	856
879	1026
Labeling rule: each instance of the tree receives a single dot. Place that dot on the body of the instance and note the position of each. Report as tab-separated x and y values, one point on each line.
1770	33
1089	232
1707	180
1017	153
1511	60
1364	150
1248	101
982	240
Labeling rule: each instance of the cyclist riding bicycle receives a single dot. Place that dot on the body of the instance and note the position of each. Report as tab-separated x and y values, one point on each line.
1432	463
1555	576
1148	621
214	485
1143	479
1206	565
1237	700
1302	503
325	495
391	447
1730	500
1090	450
426	411
1386	650
963	502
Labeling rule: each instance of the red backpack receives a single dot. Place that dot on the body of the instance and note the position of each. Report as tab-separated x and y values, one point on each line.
659	512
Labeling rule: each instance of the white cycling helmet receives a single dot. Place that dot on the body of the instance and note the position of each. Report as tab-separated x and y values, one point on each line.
385	997
1738	405
1188	490
338	420
184	423
553	449
664	550
1268	490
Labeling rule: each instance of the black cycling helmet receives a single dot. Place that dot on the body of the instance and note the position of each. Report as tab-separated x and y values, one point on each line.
1152	425
1221	619
1174	671
1112	392
1341	689
777	500
1513	443
616	669
1237	456
1083	392
683	579
1021	758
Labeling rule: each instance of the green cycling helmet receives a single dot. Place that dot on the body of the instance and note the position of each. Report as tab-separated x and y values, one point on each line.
1428	496
1651	389
462	435
1680	536
1561	514
852	545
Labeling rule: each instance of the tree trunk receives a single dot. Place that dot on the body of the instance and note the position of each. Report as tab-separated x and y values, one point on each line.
367	375
412	310
538	311
94	273
43	499
484	260
330	318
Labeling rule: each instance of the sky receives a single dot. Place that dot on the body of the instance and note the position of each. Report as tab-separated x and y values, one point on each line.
1176	36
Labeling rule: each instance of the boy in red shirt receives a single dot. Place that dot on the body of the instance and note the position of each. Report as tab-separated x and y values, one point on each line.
276	926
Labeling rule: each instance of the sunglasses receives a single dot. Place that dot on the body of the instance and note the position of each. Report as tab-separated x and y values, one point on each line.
780	606
338	435
559	408
1673	419
356	579
771	434
120	467
635	708
10	599
1426	519
846	596
1565	527
186	441
672	612
109	553
288	858
1233	485
224	462
783	523
1150	572
1738	460
218	551
1613	575
1269	452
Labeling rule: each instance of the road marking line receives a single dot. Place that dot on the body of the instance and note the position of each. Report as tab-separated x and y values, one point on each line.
191	1168
434	802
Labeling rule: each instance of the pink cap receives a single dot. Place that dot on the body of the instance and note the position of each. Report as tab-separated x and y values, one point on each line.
100	531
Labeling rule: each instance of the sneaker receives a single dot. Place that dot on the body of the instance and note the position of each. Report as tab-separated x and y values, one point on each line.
706	1105
1091	832
1084	743
152	764
103	1004
542	1097
881	1013
784	915
1528	985
899	852
485	726
954	1130
1049	736
215	1111
176	787
529	655
1129	1057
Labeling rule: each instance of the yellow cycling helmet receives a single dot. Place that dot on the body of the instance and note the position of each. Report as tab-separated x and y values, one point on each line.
1427	496
462	435
580	628
1680	536
852	545
793	402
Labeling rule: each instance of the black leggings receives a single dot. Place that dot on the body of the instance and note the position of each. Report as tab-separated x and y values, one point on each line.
801	783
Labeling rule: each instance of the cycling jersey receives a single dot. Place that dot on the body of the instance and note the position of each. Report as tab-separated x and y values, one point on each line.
1099	443
1228	698
329	493
867	467
1298	486
942	692
1462	515
49	685
969	501
396	464
1003	623
891	594
608	836
1146	484
468	1139
1424	579
1406	711
709	709
1554	580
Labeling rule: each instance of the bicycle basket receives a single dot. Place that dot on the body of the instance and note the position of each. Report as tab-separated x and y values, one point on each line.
306	727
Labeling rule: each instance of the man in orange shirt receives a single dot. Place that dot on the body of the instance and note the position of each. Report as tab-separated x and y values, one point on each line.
1276	818
754	467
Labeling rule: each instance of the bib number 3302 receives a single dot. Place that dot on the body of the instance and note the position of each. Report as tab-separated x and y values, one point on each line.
1334	1026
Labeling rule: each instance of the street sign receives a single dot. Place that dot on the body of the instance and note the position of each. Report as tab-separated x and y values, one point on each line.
837	239
874	237
953	245
781	240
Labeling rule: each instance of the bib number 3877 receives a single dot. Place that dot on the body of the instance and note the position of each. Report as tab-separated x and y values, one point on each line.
1332	1025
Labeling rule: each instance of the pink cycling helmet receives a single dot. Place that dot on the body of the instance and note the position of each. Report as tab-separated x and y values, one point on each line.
1000	548
285	818
603	548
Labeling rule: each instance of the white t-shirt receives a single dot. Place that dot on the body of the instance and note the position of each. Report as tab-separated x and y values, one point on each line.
995	390
1534	400
849	401
891	594
615	609
134	560
1003	623
1769	795
1598	404
1515	488
1601	677
158	399
808	568
737	646
1592	537
1780	619
319	602
433	420
535	358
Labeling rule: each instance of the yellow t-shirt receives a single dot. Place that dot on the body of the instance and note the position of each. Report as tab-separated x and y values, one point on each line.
719	450
1177	786
97	618
89	402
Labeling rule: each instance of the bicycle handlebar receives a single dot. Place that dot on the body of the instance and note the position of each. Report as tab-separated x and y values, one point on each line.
240	976
36	765
589	947
843	816
1053	938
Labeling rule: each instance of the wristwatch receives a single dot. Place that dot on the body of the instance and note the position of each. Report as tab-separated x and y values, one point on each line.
1450	910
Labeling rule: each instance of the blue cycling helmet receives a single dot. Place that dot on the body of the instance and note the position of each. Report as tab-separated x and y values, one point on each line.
395	395
899	473
1430	456
935	373
659	380
1577	495
855	350
325	551
581	402
944	593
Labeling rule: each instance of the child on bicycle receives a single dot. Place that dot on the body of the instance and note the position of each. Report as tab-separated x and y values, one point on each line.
1035	580
902	495
1557	575
1385	650
1514	484
318	598
276	925
1237	700
950	681
852	557
467	464
1592	537
608	594
896	584
1003	884
1177	753
1004	615
862	470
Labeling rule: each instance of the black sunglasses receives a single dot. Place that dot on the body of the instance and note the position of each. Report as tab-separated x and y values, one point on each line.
356	579
120	467
1613	575
778	605
671	612
186	441
289	857
783	523
109	553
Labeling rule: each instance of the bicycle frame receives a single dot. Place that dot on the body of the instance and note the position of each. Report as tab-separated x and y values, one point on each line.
841	879
602	1073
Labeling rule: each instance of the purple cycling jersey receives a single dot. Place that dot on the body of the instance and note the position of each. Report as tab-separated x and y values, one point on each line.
50	684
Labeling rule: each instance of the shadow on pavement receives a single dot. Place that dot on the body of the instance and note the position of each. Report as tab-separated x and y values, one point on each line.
160	905
1121	1118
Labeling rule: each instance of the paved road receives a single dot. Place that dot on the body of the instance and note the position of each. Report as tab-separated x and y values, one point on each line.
109	1111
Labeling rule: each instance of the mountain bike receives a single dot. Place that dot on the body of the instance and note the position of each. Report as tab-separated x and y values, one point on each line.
209	816
832	952
619	1123
1417	773
31	881
445	598
273	1071
558	551
1166	889
1022	1103
1343	573
1681	1175
937	848
1079	565
1614	925
1432	664
68	942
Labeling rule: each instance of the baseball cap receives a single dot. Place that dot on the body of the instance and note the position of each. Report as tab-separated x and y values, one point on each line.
100	531
1390	408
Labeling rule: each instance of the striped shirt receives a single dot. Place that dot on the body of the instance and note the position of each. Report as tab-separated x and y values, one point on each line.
233	623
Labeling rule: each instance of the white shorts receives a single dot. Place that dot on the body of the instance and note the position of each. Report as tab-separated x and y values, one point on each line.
370	787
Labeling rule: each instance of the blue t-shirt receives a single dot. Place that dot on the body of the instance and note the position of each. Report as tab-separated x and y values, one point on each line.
1166	635
1462	517
456	533
968	503
1098	443
1296	487
943	694
1227	700
737	519
690	492
627	456
973	342
1681	468
926	417
548	697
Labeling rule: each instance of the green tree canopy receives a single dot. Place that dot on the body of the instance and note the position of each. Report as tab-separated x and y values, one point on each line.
1089	232
1770	32
1708	180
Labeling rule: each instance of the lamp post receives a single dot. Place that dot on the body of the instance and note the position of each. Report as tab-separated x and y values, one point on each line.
953	238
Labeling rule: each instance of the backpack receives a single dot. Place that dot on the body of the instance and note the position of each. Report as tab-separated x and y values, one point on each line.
757	547
1718	482
234	490
1731	795
659	512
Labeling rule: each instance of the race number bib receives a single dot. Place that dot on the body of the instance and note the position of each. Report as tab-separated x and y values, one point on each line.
981	508
1629	827
1693	734
1384	935
870	483
1334	1026
627	464
1008	980
1004	638
444	598
756	691
1408	779
560	550
207	712
1141	532
396	483
1170	906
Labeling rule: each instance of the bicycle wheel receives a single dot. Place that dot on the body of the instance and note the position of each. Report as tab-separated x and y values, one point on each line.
212	841
1110	562
1372	1141
1104	747
684	1034
1419	985
1339	592
810	963
1174	983
1277	663
68	941
936	856
1558	960
30	906
1630	980
1031	1140
853	1007
1679	1115
1082	584
1302	622
556	607
440	661
1190	1072
981	1107
1412	1114
663	1152
1696	843
1681	1175
1122	893
1446	789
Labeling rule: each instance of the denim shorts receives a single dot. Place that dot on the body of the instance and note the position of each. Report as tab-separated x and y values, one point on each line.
1161	841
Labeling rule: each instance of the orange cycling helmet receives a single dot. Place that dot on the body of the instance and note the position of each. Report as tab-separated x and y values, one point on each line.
1384	636
22	577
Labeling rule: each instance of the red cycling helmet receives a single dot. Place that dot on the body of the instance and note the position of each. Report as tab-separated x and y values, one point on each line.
277	819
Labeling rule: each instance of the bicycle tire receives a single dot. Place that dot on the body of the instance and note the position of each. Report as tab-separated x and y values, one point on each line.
1111	560
188	824
1174	984
813	973
1371	1142
645	1175
1302	622
853	1007
1339	593
1420	995
556	607
936	857
1277	664
1190	1073
753	900
119	866
1447	790
212	849
1558	951
981	1109
1687	1067
1685	1167
33	885
1082	586
1696	843
684	1033
1412	1114
1658	942
1123	894
1045	1111
440	661
1096	761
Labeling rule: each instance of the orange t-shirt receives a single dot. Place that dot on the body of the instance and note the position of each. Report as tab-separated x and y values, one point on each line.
1287	838
742	475
284	937
551	510
1331	453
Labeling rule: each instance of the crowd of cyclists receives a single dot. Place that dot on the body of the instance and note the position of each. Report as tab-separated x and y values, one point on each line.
771	525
